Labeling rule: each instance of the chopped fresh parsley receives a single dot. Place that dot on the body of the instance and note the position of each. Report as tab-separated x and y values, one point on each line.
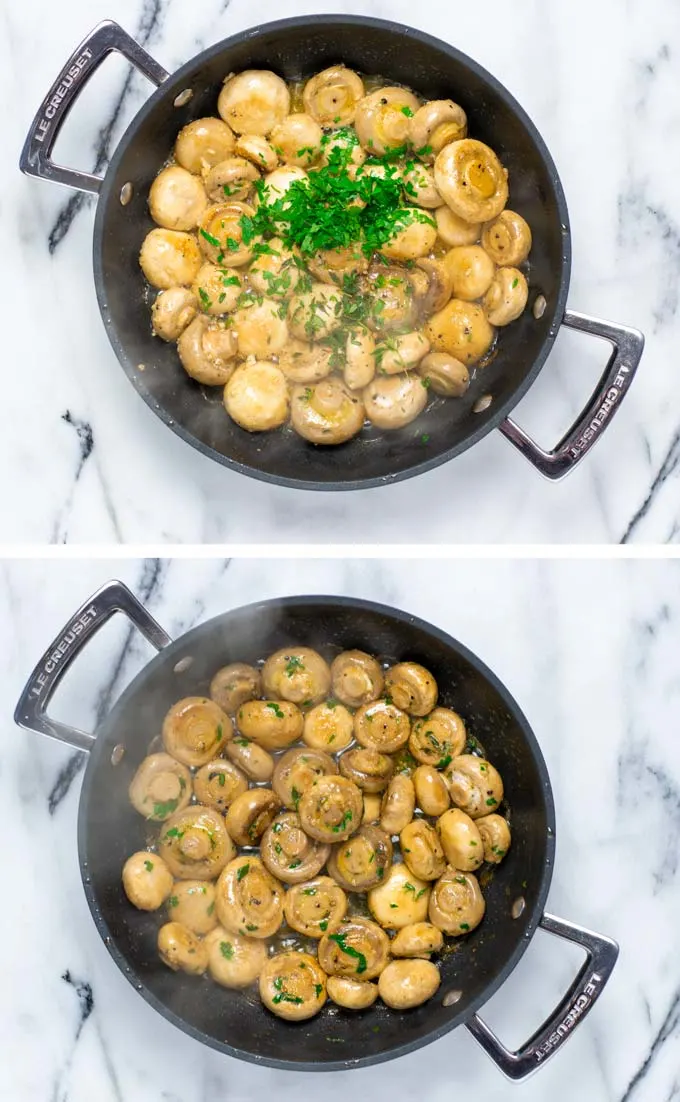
323	925
163	810
148	865
346	819
206	301
339	940
173	901
250	926
295	797
210	239
227	950
174	833
219	733
406	110
318	987
309	891
243	871
293	664
211	908
275	709
464	926
295	864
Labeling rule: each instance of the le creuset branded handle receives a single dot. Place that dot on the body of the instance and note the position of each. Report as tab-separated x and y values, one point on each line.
31	711
601	955
107	37
627	345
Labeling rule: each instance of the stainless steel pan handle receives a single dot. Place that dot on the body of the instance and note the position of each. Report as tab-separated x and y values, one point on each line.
627	345
106	38
31	711
601	955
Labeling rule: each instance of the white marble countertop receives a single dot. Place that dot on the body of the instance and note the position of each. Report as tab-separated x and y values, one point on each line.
589	651
88	460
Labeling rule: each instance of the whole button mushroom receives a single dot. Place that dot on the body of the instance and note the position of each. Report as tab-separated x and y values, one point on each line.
436	124
192	903
248	899
398	804
411	687
438	738
293	986
232	178
461	841
172	311
506	297
328	726
453	230
255	762
400	899
203	143
326	412
360	863
381	726
422	850
254	101
261	331
232	685
298	674
432	793
420	939
357	678
233	960
147	880
250	814
177	200
445	374
256	396
331	809
196	729
297	139
288	853
315	907
462	329
507	239
194	844
471	270
356	948
218	783
160	786
471	180
169	258
368	768
296	771
495	834
408	983
181	950
207	351
218	289
475	785
351	994
274	724
331	97
456	904
382	119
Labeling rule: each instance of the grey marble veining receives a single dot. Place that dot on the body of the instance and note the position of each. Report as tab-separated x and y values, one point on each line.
590	652
87	461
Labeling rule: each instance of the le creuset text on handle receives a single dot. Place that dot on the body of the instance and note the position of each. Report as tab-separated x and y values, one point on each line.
601	955
36	156
31	711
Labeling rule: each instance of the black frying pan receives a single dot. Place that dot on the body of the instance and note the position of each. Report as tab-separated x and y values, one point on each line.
297	48
109	830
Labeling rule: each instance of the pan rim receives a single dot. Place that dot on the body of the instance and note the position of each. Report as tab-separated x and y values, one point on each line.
554	314
319	601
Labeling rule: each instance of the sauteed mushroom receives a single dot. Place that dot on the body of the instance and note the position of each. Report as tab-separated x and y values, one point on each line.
461	329
331	97
233	960
218	783
420	939
232	178
411	687
333	265
304	363
326	412
422	850
172	311
392	298
439	284
203	143
461	841
419	186
432	794
177	200
196	729
277	272
297	139
280	180
288	853
328	726
434	125
257	149
357	948
382	119
250	814
381	726
408	983
160	786
331	809
315	313
454	230
400	899
194	844
296	771
316	907
398	804
356	678
415	236
394	401
402	353
350	993
471	180
256	396
360	863
232	685
169	258
359	366
253	102
248	899
456	904
261	330
346	142
475	785
293	986
471	270
297	674
506	297
220	234
447	375
507	239
192	903
255	762
368	768
438	738
372	803
207	351
495	835
218	289
181	950
147	880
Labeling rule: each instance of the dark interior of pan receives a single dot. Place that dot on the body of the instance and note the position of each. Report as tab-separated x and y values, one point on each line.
109	830
298	48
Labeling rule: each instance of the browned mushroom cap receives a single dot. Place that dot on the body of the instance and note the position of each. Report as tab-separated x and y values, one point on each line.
181	950
328	726
437	738
327	412
331	96
248	899
400	899
460	839
456	903
147	880
391	293
507	239
250	814
358	947
160	786
195	730
331	809
408	983
315	907
218	783
398	804
439	285
194	844
495	834
296	770
471	180
274	724
255	762
434	125
288	853
372	805
369	769
432	791
234	960
445	374
356	678
192	903
221	234
234	684
359	863
420	939
351	994
298	674
422	850
293	986
475	785
411	687
381	726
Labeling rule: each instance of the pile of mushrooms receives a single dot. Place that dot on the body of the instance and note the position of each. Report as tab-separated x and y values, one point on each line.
271	327
296	800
